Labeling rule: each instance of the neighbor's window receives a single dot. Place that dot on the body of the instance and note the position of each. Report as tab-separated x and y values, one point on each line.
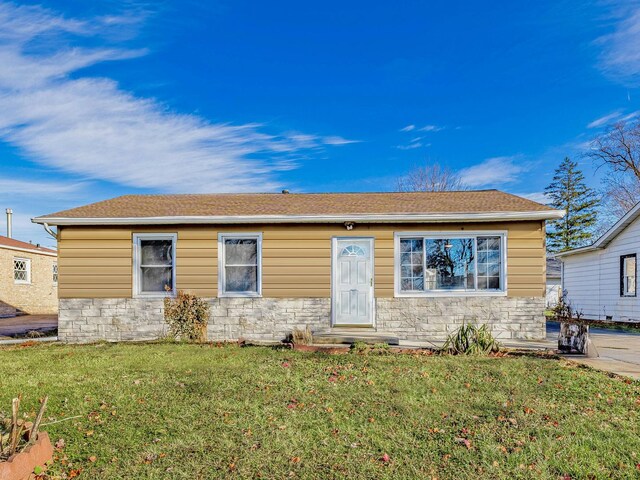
154	264
22	270
450	263
240	264
54	273
628	275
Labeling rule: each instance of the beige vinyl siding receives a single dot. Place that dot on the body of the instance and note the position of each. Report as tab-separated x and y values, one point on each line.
296	259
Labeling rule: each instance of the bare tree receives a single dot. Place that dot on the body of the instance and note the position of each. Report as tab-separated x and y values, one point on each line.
619	150
621	193
430	178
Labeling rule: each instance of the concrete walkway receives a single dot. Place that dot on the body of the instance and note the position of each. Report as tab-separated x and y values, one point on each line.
618	353
618	350
22	324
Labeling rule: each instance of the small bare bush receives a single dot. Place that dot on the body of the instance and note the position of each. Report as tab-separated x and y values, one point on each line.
187	316
302	337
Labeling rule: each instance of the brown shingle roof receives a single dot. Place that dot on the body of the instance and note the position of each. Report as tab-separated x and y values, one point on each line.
13	243
314	204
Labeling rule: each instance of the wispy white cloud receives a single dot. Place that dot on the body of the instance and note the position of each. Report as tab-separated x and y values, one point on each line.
620	56
90	127
539	197
605	120
494	171
430	128
20	23
426	128
335	140
12	187
617	116
411	146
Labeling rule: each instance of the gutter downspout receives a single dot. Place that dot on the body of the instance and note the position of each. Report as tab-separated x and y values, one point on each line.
49	231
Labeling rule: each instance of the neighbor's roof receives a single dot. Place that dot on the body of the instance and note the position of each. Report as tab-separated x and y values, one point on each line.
13	244
483	205
609	235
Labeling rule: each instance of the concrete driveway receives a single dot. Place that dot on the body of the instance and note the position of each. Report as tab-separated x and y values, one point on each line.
618	350
10	327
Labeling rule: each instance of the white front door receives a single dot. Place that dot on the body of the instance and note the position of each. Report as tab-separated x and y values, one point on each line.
352	288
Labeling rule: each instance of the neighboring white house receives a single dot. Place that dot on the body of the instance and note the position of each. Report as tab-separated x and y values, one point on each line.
554	289
600	280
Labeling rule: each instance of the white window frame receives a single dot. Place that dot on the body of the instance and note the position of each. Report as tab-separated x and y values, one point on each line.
438	235
221	256
55	273
624	283
137	278
27	263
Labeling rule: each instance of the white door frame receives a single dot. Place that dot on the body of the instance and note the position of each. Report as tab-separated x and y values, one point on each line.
334	276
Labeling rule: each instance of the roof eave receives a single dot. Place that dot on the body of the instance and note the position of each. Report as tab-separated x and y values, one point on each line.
609	235
30	250
375	218
575	251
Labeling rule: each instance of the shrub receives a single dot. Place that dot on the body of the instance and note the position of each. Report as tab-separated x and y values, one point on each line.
362	348
471	340
187	316
302	337
359	347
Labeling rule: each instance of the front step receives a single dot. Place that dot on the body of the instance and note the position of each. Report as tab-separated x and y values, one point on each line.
350	336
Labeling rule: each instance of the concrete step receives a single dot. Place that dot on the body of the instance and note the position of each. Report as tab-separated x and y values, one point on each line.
349	336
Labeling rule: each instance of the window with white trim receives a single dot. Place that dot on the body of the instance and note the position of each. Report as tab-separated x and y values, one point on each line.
154	264
240	264
54	273
456	262
628	275
22	270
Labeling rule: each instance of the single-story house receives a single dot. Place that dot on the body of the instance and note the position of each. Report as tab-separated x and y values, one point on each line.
416	265
600	280
28	278
554	282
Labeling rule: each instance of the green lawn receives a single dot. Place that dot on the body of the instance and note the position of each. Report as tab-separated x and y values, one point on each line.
201	411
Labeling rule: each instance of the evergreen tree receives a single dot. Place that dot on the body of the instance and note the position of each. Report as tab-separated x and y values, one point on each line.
568	192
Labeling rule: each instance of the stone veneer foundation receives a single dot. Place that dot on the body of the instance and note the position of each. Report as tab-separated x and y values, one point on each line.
272	319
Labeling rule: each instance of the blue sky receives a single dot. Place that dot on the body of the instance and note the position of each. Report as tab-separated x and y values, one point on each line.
103	98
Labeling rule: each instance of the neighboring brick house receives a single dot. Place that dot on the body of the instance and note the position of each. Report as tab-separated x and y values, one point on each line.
28	278
413	265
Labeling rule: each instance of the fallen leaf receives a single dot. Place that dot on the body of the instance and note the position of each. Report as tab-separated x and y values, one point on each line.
295	460
92	458
59	445
385	458
463	441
